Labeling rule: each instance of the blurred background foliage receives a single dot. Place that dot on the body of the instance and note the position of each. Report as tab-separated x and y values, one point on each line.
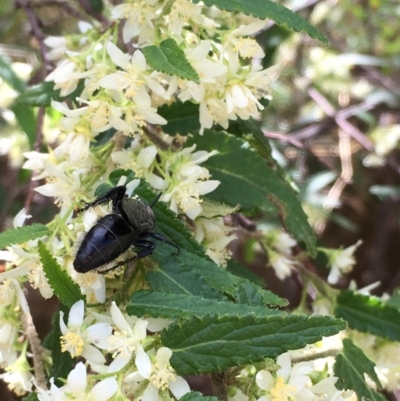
333	122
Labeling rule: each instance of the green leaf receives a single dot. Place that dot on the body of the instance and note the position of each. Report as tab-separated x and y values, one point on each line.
43	93
239	270
8	75
215	276
183	118
63	286
171	306
262	143
267	9
195	396
211	344
188	265
369	314
96	5
27	120
170	59
38	95
246	179
350	367
394	300
177	279
31	397
251	294
22	234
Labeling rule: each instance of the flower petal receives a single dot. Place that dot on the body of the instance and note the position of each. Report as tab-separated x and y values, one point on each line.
104	390
179	387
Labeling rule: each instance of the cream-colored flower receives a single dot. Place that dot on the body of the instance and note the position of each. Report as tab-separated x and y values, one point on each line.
161	376
290	381
236	44
215	236
127	341
139	20
77	388
77	337
341	261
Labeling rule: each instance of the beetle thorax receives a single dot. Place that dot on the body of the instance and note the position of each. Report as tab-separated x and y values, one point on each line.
140	215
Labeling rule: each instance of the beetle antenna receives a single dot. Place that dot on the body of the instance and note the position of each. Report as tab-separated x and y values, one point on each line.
155	200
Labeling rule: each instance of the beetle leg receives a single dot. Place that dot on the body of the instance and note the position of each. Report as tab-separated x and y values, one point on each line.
114	194
163	239
147	248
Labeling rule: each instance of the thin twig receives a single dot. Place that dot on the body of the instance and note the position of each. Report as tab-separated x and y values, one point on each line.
219	386
36	349
342	122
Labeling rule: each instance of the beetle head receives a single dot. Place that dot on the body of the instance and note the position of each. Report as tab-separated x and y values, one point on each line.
139	214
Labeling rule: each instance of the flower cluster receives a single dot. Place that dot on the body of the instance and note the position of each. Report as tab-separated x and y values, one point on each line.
143	368
341	261
287	380
278	245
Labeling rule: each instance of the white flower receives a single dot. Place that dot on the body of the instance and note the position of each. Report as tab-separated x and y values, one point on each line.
207	69
93	285
76	388
102	116
182	14
236	45
8	335
188	181
17	374
126	340
326	388
20	218
290	382
281	264
75	146
66	76
161	377
213	110
139	20
63	182
39	281
341	261
76	337
58	46
139	163
215	236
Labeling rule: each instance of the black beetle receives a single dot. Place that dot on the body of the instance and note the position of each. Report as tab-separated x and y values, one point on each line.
128	225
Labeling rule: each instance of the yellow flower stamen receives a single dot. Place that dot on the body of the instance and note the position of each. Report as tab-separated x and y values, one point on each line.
283	391
73	343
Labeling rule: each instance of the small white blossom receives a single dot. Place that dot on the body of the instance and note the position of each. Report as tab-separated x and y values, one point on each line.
20	218
290	382
77	338
236	44
341	261
66	76
17	374
126	340
282	264
161	376
188	181
215	236
77	388
139	20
